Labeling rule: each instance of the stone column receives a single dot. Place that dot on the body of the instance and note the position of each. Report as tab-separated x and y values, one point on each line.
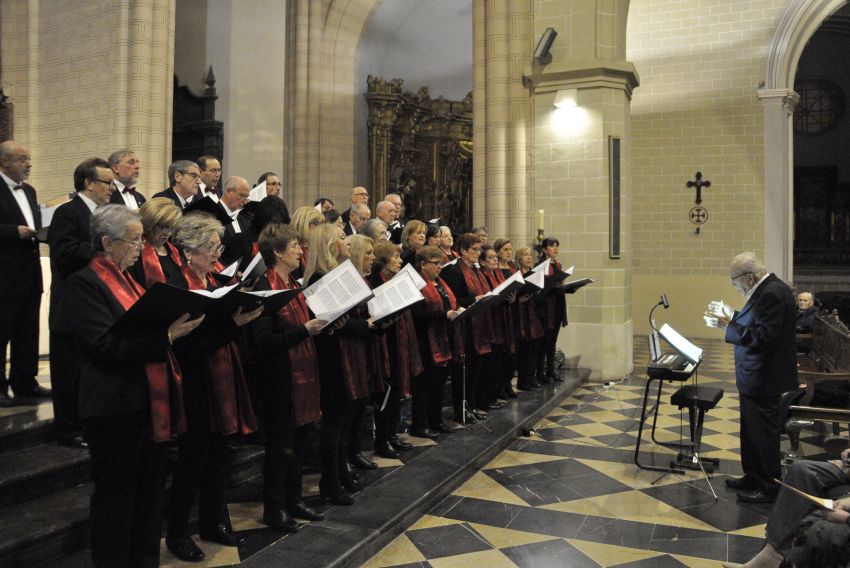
779	105
502	45
571	169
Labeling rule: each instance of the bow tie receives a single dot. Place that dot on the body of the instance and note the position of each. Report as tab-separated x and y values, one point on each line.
129	190
18	187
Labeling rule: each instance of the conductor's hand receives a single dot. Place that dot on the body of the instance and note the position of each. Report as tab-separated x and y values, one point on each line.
718	314
314	326
241	318
183	326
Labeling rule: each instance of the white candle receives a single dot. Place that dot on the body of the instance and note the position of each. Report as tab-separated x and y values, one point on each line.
540	212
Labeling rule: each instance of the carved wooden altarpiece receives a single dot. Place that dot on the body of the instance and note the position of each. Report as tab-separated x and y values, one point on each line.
421	148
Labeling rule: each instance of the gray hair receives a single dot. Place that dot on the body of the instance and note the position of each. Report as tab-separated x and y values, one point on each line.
179	166
359	208
383	205
748	262
195	230
118	155
372	229
110	221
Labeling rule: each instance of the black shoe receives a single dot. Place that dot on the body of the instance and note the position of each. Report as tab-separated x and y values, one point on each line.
757	496
337	497
222	534
302	511
73	441
426	433
399	444
6	401
360	462
279	519
386	450
350	482
494	406
35	392
556	377
184	548
742	482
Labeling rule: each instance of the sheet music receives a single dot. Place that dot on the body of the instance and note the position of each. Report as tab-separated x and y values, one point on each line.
393	296
337	292
536	278
417	279
688	350
569	270
515	277
48	208
543	267
250	268
258	193
217	293
230	270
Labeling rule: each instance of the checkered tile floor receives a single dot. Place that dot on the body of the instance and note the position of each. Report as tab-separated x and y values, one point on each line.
574	497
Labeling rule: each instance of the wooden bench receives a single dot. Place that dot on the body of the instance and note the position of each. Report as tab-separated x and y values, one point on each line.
827	360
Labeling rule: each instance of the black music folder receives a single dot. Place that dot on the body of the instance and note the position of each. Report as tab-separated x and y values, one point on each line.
476	308
574	285
555	278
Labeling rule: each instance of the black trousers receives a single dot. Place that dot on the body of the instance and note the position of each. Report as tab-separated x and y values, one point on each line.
386	421
491	376
760	454
199	471
65	382
427	403
546	356
336	417
527	352
19	326
128	470
282	469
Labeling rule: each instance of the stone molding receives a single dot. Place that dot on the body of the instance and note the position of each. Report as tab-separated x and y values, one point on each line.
583	74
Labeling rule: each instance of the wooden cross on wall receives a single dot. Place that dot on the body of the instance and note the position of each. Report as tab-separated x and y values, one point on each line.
698	183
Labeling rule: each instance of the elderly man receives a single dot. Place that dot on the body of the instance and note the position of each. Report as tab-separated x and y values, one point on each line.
20	279
386	212
185	178
359	196
397	226
210	174
806	311
765	367
126	167
359	215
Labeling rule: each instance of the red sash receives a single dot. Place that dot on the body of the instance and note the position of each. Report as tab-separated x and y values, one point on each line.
152	267
438	331
230	403
482	325
165	383
306	407
407	357
529	324
503	323
255	249
355	364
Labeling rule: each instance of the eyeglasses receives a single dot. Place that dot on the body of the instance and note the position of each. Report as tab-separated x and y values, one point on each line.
270	183
736	277
137	244
213	248
103	181
475	251
192	175
243	196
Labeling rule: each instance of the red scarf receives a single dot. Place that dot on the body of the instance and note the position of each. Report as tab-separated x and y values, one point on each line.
355	360
230	403
503	323
304	363
152	266
407	357
438	331
255	249
165	383
482	325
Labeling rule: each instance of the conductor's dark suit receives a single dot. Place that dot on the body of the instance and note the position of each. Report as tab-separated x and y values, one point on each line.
763	333
20	292
70	250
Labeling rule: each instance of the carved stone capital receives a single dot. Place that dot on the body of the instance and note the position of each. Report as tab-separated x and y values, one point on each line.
788	98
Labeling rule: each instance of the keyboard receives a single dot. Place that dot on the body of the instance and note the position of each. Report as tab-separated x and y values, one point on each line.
670	367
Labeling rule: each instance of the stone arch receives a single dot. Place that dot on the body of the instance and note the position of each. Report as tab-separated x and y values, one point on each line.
798	23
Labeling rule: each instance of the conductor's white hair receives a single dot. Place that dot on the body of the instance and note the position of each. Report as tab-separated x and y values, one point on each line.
748	262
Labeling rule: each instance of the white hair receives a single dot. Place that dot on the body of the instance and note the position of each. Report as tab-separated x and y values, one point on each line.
748	262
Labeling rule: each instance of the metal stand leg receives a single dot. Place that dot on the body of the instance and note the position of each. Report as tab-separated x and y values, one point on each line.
643	415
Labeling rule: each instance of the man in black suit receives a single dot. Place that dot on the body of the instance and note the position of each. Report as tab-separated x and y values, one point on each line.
359	195
386	212
210	174
359	215
763	333
71	249
397	226
185	178
126	167
20	276
235	196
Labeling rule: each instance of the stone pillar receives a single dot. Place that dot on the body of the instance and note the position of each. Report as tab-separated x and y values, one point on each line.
779	105
571	169
501	110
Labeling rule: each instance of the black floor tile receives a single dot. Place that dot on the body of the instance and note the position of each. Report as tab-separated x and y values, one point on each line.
547	554
448	540
616	532
515	475
692	542
663	561
545	492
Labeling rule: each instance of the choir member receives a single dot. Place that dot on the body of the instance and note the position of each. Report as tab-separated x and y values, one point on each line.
412	239
130	394
333	217
243	246
303	220
447	243
376	230
405	362
530	330
505	250
343	376
433	235
215	396
555	315
440	343
289	368
496	387
469	284
160	260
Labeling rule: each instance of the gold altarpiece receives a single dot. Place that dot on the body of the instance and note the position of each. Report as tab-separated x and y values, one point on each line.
421	148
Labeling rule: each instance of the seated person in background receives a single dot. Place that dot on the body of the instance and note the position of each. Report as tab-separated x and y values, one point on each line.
793	533
806	311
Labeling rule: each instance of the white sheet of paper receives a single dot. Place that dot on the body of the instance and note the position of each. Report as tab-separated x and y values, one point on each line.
230	270
680	343
394	295
515	277
542	267
336	292
417	279
254	262
47	215
258	193
569	270
449	263
263	293
536	278
217	293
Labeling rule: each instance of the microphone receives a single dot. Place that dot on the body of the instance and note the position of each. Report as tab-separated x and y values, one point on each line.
664	301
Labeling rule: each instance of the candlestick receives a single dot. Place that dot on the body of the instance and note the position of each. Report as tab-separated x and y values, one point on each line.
541	225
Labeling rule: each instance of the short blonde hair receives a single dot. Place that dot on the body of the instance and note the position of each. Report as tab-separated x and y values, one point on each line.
196	230
518	254
302	218
159	212
322	245
413	227
360	245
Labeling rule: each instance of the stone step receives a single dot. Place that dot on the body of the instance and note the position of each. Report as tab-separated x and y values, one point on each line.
22	427
38	470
